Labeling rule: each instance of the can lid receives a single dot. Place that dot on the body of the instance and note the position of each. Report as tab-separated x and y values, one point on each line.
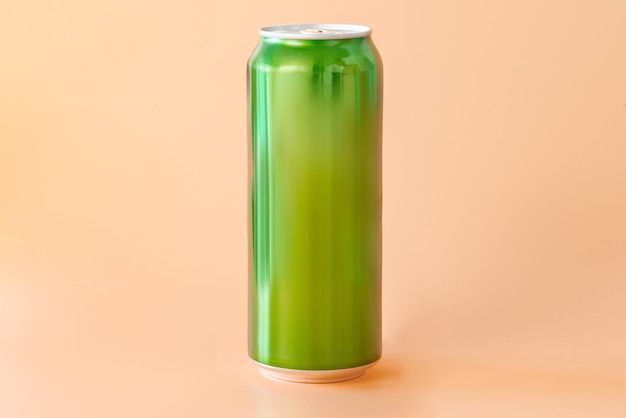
315	31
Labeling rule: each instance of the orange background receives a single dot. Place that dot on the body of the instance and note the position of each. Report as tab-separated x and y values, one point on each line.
123	210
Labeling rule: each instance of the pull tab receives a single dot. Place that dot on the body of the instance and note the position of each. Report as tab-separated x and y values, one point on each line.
321	31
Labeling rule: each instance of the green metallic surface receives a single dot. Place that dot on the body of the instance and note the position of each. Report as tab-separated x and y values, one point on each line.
315	109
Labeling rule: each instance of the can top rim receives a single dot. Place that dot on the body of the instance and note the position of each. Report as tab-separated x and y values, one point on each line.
316	31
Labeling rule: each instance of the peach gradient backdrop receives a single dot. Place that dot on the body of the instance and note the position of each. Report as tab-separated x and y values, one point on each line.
123	210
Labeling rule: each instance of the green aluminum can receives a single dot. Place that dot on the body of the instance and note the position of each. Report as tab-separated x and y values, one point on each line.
315	124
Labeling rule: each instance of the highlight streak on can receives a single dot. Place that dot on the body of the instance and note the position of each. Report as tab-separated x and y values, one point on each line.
315	121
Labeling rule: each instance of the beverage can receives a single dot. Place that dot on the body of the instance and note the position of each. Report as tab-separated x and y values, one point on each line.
315	142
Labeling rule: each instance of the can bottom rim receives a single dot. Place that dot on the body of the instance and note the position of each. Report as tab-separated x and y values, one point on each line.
313	376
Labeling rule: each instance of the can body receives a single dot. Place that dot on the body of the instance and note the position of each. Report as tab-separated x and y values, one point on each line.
315	121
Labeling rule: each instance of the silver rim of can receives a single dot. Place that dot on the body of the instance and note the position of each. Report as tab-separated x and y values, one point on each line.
313	376
316	31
